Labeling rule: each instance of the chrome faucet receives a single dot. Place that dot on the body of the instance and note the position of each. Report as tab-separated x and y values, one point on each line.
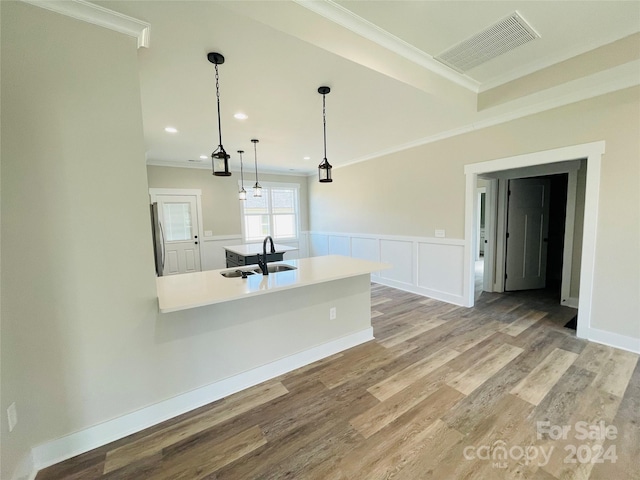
262	260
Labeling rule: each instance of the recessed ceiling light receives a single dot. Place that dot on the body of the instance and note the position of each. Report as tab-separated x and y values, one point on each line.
241	116
203	157
307	158
171	129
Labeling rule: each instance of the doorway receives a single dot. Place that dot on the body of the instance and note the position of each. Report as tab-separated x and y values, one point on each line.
555	162
180	221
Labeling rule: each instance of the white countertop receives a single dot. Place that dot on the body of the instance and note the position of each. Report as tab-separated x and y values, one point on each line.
190	290
256	248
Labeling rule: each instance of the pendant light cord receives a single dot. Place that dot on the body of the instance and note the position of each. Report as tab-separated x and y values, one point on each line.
324	124
255	158
241	172
218	97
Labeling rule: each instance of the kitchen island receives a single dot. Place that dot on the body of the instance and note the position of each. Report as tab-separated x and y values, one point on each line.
247	254
238	332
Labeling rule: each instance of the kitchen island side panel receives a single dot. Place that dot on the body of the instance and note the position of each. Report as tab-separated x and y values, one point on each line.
237	336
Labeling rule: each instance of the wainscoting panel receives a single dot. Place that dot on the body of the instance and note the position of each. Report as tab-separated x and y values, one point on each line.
441	267
339	245
398	253
365	248
212	254
433	267
318	244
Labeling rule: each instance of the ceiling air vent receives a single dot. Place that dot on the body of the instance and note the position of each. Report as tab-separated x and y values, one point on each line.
507	34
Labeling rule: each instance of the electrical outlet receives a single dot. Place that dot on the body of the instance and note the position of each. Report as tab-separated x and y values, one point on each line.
440	234
332	313
12	415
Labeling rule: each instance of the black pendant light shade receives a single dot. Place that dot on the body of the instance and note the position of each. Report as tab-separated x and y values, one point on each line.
324	169
219	158
242	193
257	189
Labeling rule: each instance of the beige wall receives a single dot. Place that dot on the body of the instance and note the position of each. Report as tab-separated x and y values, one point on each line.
78	288
416	191
220	204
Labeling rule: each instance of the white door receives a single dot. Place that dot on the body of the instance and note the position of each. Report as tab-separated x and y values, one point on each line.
179	219
527	229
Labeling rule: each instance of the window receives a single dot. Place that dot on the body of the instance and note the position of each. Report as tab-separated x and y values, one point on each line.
275	213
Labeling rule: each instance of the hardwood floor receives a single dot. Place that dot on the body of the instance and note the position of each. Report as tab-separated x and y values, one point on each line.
444	392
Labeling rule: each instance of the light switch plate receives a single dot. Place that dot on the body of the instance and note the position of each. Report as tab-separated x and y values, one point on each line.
208	233
440	234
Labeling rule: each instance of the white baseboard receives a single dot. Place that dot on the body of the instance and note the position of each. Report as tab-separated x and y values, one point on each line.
571	302
26	469
425	292
615	340
69	446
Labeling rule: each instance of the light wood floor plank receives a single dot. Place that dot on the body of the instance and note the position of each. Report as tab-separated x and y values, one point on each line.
201	461
226	409
389	450
410	333
475	376
521	324
381	415
614	375
395	383
535	386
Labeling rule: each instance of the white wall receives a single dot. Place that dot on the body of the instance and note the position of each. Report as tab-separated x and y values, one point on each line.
78	290
221	208
416	191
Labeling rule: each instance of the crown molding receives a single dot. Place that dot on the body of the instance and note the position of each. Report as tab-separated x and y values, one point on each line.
602	83
97	15
559	57
207	166
358	25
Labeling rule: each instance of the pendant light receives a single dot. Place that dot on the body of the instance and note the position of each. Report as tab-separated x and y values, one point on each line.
324	169
219	158
242	193
257	189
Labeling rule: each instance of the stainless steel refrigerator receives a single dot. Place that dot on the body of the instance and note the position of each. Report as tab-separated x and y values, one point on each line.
158	239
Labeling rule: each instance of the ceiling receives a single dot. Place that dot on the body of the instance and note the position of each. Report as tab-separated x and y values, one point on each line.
387	92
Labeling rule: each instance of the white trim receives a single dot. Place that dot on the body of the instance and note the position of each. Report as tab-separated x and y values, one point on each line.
358	25
425	292
217	238
617	79
549	61
571	168
263	170
66	447
406	272
569	231
265	187
190	192
97	15
490	232
479	192
614	340
571	302
593	153
403	238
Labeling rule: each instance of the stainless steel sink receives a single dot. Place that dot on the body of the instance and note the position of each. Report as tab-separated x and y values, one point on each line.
236	273
277	268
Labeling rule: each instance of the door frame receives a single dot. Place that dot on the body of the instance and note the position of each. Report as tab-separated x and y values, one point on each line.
499	248
480	191
592	152
190	192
